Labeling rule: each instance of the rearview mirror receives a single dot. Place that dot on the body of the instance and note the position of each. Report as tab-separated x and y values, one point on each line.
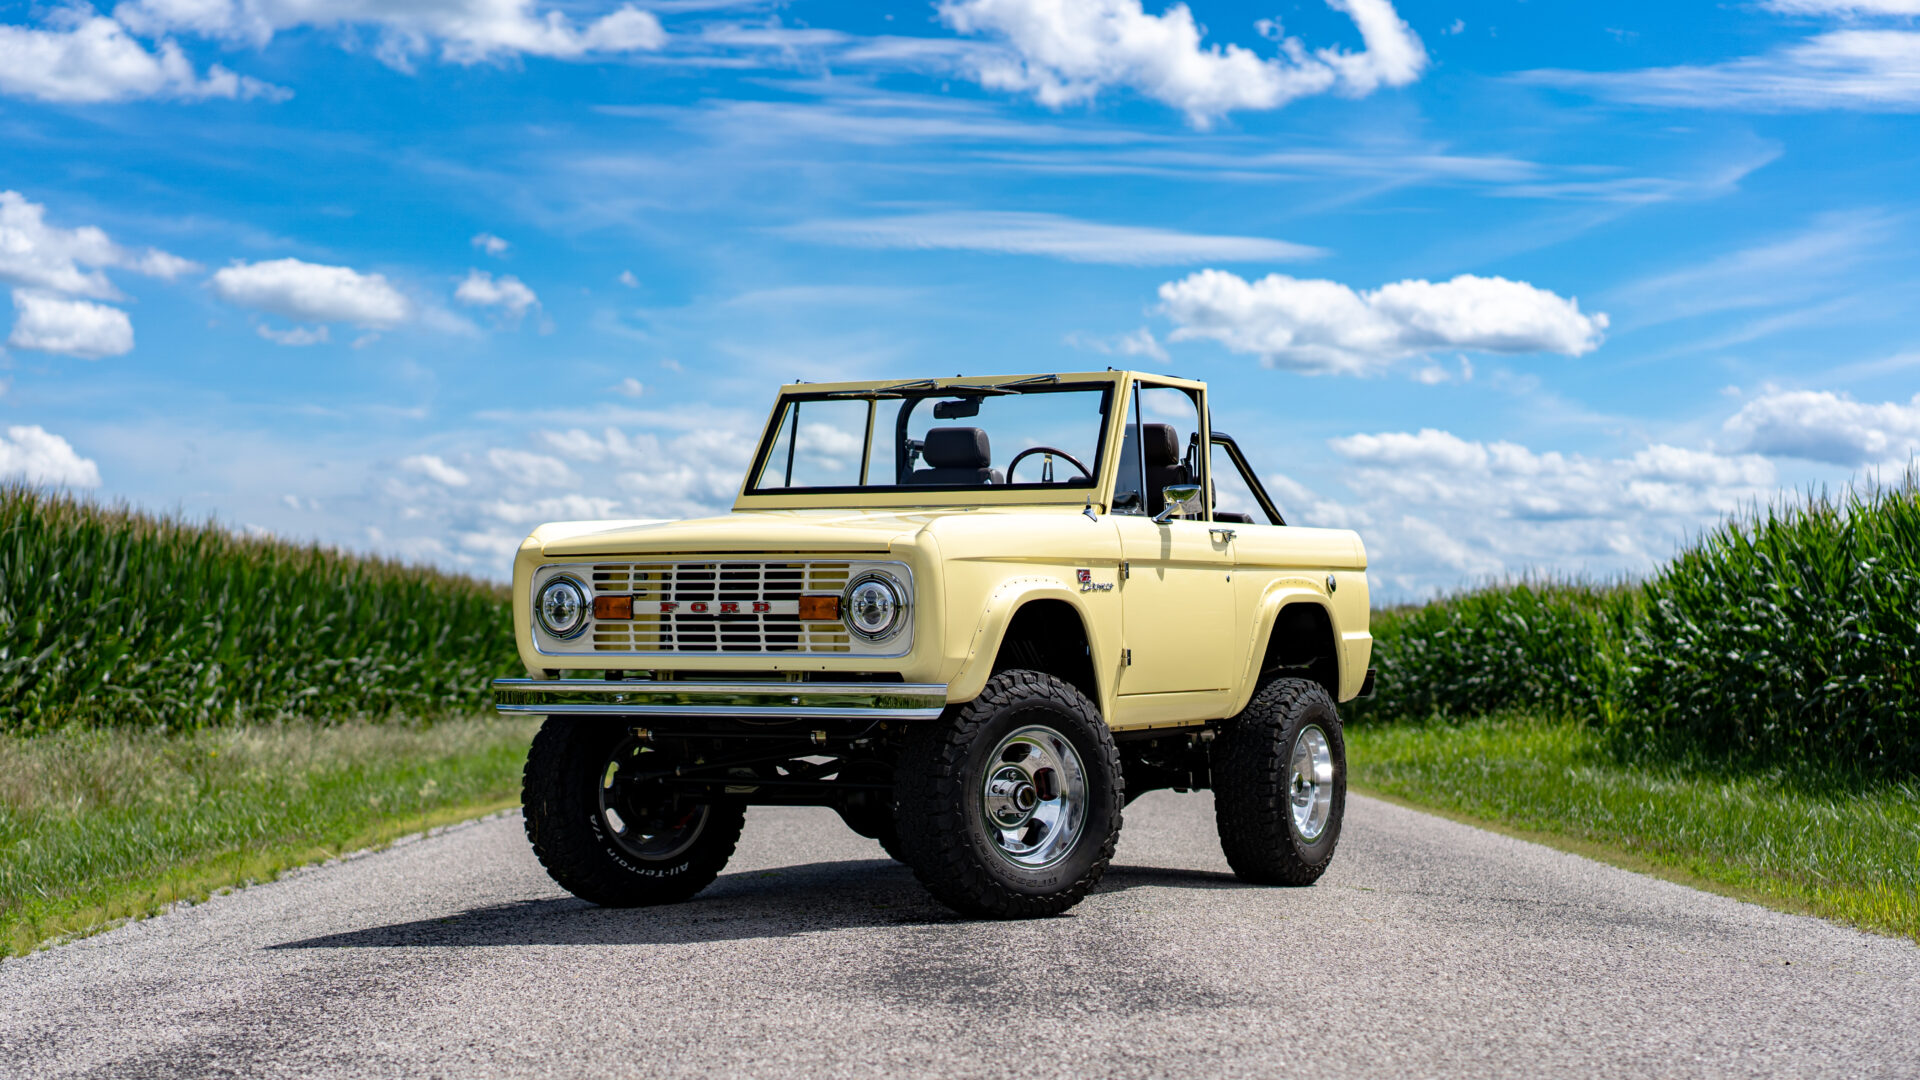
958	409
1180	498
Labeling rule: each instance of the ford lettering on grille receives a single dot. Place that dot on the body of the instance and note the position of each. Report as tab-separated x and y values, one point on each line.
732	606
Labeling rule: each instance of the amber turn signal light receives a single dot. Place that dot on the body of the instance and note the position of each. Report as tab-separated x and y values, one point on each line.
819	608
613	607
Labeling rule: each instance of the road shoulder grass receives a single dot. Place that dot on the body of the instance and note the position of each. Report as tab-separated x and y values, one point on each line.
1846	851
99	826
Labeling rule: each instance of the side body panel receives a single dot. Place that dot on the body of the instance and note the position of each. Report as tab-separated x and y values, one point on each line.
1179	614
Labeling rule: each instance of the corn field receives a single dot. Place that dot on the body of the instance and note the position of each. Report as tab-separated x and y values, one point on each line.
1790	635
111	617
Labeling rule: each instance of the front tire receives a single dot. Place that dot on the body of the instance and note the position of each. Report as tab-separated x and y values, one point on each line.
1009	806
1280	784
606	832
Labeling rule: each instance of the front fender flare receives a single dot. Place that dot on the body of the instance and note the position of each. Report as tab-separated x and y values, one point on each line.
984	647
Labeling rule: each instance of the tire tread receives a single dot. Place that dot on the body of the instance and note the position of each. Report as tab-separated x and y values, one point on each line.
554	810
933	833
1250	774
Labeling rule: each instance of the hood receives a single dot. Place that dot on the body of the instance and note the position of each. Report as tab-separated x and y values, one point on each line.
767	530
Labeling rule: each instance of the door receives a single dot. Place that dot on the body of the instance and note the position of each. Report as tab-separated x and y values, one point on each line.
1176	598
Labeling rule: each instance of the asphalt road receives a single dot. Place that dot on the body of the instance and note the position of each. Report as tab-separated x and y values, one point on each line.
1430	949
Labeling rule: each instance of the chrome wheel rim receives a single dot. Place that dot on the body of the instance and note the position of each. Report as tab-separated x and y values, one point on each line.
1033	797
1310	783
638	815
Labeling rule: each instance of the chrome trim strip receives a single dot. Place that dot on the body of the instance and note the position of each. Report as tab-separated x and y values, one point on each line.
769	700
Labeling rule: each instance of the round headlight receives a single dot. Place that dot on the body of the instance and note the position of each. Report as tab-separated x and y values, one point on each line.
563	607
875	608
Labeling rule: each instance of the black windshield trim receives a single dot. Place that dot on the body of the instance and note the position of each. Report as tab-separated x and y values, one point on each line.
922	391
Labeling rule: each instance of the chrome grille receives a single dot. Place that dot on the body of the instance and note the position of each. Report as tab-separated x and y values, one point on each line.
719	607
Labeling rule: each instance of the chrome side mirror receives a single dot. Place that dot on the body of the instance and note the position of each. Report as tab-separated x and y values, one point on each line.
1180	498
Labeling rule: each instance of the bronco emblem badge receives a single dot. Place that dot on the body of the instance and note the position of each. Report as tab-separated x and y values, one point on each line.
1087	584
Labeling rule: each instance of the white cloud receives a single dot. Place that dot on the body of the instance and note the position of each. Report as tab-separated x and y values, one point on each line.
1866	70
1022	233
312	292
1844	7
630	387
1140	342
691	473
1065	52
1325	327
579	445
1776	273
1508	480
36	455
37	255
491	244
80	328
480	289
466	31
694	473
531	470
470	509
1819	425
556	508
626	278
1433	373
434	468
87	59
830	441
1437	510
298	335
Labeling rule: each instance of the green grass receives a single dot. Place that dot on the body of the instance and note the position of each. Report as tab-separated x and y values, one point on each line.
114	618
1798	840
101	825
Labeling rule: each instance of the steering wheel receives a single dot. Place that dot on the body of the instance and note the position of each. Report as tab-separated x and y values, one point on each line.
1055	451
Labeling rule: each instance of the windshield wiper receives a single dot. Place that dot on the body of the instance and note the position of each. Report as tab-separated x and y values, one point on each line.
1005	387
885	391
896	390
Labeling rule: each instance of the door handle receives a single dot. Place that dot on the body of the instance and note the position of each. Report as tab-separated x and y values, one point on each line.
1225	535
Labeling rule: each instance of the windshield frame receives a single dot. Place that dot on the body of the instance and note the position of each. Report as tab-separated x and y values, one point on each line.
1110	384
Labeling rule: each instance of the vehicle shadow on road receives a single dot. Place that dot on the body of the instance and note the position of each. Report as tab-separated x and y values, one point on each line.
751	904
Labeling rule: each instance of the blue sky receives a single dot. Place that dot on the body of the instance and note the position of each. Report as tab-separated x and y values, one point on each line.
1505	286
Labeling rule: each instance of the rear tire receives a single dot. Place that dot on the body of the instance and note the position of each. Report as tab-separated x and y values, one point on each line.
1280	784
1009	805
607	835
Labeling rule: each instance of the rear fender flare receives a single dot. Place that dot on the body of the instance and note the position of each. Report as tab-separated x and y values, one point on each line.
1278	596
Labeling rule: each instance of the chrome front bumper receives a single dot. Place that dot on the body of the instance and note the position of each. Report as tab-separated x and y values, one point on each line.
755	701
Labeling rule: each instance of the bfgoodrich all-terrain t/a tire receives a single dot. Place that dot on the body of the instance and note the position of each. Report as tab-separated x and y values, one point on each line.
1280	784
1009	805
605	832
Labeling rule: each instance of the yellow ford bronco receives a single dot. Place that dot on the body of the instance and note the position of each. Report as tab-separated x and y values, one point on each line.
976	617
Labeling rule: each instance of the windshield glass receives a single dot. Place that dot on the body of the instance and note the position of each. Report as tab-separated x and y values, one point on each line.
1027	436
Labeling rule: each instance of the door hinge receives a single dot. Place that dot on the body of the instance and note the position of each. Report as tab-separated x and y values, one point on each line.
1126	657
1225	535
1126	571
